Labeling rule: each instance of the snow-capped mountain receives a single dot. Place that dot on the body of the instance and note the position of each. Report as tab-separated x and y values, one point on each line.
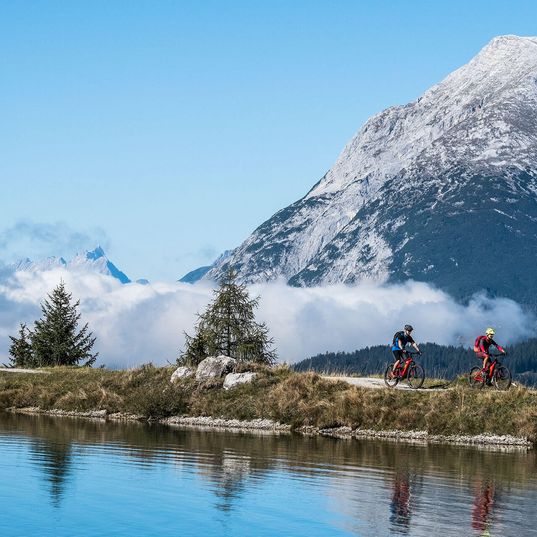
443	189
90	261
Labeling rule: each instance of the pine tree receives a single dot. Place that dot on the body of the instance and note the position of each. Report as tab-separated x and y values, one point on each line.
228	327
21	348
56	339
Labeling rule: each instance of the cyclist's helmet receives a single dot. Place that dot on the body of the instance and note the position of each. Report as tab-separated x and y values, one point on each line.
490	331
408	327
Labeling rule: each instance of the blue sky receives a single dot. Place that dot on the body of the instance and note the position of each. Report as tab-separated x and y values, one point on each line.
168	131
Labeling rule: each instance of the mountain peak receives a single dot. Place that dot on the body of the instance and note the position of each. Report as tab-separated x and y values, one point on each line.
507	54
511	40
454	166
95	254
90	261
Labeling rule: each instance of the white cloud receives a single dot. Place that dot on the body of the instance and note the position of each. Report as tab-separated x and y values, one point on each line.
136	323
306	321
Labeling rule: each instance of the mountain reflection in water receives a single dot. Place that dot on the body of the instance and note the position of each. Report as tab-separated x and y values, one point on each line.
64	476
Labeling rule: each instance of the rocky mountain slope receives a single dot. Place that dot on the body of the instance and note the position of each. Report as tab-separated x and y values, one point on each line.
443	190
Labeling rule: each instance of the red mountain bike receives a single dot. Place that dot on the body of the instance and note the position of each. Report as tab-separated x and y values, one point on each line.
497	374
410	370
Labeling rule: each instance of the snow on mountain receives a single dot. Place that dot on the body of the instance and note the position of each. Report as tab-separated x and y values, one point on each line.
428	190
90	261
28	265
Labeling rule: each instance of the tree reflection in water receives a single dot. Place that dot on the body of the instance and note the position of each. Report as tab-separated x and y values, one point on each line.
230	463
54	460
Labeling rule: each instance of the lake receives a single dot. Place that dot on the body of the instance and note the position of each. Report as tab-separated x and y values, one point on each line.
76	477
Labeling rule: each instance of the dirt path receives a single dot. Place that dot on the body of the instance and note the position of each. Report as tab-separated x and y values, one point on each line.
19	370
376	383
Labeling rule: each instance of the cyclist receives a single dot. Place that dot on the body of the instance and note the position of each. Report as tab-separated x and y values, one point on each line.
400	341
481	348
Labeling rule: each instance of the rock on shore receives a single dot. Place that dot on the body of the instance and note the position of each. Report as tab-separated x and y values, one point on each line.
234	379
215	367
181	373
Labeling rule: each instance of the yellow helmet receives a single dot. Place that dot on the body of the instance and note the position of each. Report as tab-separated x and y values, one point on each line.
490	332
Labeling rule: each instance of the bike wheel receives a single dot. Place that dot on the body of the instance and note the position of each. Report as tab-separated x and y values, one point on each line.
502	378
476	378
415	376
389	379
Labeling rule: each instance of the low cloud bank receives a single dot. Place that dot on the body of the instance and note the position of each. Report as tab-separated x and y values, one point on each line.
136	324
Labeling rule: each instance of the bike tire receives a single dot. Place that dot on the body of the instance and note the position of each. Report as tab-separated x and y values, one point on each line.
416	376
389	379
502	378
476	383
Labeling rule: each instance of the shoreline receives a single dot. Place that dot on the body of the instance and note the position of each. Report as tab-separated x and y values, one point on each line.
272	427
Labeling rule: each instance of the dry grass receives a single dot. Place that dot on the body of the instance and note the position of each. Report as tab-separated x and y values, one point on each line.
279	394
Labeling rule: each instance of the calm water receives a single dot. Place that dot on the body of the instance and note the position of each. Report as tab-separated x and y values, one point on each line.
68	477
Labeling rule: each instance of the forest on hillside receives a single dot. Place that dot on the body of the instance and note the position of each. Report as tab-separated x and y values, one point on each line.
440	361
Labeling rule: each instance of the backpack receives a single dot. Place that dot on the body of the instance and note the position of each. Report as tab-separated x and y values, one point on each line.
396	337
477	343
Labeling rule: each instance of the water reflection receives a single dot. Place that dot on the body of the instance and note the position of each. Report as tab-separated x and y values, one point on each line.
485	503
54	460
50	449
400	504
227	474
348	487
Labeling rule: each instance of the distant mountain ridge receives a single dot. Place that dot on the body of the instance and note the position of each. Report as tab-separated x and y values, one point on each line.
441	190
197	274
89	261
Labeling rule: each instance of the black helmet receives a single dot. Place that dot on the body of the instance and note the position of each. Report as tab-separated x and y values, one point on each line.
408	327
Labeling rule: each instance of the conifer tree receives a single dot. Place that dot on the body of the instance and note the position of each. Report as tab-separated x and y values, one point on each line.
228	327
20	351
56	339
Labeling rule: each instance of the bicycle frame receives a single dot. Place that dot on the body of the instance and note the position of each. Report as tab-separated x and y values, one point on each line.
409	360
491	376
493	364
407	369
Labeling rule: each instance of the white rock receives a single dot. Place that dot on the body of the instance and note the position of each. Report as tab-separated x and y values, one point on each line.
215	367
181	373
233	379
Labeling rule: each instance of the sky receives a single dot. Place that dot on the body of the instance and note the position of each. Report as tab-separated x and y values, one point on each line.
168	131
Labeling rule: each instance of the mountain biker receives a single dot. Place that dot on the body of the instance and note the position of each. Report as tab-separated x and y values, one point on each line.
400	341
482	345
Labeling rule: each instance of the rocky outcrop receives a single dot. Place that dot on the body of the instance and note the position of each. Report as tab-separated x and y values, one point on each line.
234	379
181	373
215	367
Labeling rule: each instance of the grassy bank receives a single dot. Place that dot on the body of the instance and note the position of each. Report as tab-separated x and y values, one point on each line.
278	394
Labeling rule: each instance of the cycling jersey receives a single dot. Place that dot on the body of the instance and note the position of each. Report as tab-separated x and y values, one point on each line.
483	343
405	340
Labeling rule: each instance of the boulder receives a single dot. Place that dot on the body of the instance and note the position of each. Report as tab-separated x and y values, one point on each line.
233	379
215	367
181	373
